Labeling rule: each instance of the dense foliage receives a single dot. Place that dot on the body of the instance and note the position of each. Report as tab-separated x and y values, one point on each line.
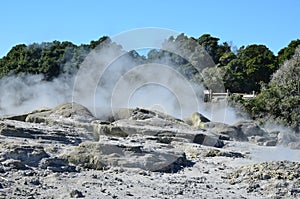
243	71
252	66
287	52
280	99
203	60
48	58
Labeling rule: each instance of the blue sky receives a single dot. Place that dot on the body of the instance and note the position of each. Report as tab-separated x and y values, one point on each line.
270	22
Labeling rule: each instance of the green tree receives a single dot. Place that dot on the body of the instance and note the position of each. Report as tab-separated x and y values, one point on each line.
280	100
14	61
210	44
253	65
213	48
94	44
226	58
287	52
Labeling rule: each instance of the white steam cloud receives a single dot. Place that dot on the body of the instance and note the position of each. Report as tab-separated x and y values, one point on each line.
29	92
112	78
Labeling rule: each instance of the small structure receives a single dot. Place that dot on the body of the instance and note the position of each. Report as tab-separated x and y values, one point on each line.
210	96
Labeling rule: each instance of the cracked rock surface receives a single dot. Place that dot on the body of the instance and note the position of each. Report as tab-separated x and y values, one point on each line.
65	152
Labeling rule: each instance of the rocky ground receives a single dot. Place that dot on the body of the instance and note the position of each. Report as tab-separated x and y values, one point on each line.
66	152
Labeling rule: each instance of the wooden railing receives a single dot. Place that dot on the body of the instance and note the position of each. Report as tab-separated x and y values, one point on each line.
210	96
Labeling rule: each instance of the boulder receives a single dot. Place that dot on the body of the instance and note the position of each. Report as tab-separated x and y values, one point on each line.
110	130
284	138
258	139
24	130
22	117
64	113
12	131
10	164
76	194
215	153
294	145
159	128
56	165
232	132
250	128
270	143
27	155
289	139
197	120
139	114
98	156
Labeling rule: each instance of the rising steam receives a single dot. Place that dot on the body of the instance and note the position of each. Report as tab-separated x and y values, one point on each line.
29	92
111	78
